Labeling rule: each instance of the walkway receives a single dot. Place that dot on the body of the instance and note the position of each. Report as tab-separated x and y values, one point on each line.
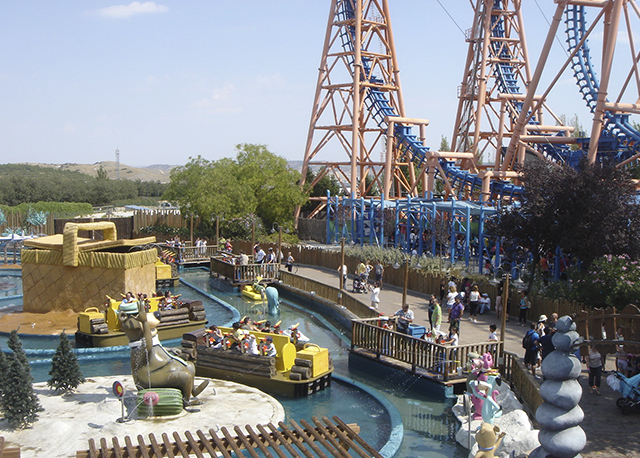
609	433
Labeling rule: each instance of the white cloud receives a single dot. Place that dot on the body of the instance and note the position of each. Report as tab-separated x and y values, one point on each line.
126	11
217	99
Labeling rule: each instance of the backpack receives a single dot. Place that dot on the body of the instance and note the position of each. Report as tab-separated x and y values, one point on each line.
527	343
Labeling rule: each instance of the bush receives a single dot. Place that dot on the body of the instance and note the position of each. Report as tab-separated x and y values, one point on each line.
611	281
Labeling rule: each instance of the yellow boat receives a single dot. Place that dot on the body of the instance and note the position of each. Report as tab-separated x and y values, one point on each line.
292	372
102	329
250	292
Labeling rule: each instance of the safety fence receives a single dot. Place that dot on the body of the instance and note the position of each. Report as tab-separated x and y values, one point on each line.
329	293
442	361
238	274
521	380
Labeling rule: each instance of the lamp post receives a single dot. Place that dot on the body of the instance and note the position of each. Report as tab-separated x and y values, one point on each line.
217	233
341	264
505	303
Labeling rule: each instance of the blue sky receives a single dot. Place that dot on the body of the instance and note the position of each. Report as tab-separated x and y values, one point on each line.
167	80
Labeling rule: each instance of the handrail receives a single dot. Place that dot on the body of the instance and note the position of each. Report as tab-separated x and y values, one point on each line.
245	273
441	360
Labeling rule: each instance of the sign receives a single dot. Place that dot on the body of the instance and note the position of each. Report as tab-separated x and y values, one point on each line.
118	389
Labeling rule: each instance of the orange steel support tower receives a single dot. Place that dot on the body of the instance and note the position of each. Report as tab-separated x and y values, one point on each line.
344	139
495	83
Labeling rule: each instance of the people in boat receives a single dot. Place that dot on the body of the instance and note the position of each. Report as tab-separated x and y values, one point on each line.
167	302
247	324
214	336
128	298
268	348
238	336
266	326
252	348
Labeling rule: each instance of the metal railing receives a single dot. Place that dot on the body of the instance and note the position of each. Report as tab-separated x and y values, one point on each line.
443	361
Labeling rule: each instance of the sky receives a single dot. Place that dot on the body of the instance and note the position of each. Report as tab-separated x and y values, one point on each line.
166	80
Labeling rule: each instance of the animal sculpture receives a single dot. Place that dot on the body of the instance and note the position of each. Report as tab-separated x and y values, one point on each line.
151	365
480	367
488	438
273	300
487	393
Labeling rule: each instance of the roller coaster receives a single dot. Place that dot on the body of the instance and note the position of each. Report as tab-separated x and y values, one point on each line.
423	187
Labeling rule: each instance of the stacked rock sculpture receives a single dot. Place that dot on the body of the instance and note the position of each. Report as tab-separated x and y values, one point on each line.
559	415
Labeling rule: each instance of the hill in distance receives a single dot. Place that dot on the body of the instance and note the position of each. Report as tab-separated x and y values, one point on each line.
155	172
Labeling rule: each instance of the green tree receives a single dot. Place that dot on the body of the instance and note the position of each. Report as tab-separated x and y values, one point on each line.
257	182
20	403
4	370
65	371
589	212
444	144
15	344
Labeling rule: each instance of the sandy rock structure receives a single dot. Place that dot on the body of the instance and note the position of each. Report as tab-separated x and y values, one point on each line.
68	272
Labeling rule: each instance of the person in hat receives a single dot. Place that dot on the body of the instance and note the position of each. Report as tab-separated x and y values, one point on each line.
542	323
269	349
485	304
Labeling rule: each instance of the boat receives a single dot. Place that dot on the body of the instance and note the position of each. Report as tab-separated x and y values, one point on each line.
292	372
102	329
250	292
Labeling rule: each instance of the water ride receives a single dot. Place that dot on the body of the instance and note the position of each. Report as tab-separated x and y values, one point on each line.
103	328
293	371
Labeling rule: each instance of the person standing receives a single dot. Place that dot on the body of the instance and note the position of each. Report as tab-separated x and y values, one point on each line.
594	363
524	307
436	318
455	315
443	290
375	295
290	261
531	345
474	301
343	271
405	317
379	271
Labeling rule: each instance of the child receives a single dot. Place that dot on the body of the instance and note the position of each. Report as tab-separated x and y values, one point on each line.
493	335
375	295
269	349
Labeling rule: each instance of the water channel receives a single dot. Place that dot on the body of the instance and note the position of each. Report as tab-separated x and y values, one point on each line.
428	425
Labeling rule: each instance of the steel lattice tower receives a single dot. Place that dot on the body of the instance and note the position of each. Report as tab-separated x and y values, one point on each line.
494	86
347	135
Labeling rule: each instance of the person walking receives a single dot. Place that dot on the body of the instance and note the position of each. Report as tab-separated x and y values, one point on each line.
379	271
474	301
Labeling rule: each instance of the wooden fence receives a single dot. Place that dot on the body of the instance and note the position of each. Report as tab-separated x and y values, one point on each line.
522	382
336	437
238	274
8	452
442	361
329	293
172	218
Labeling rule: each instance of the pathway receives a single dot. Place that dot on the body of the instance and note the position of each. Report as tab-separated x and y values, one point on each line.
609	433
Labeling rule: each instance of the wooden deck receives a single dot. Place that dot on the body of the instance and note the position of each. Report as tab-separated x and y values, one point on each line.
8	452
243	275
323	438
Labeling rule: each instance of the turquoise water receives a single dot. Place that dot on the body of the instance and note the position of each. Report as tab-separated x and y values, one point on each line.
429	425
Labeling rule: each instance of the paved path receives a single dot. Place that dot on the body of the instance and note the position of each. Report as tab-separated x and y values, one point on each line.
609	433
391	301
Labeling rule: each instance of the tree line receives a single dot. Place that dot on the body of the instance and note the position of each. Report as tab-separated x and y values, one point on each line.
23	183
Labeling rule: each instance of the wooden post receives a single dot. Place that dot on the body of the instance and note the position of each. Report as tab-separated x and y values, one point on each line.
406	282
191	234
505	302
280	245
253	241
341	264
217	233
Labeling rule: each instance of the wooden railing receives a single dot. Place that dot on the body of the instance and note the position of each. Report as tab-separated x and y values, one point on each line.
522	382
238	274
329	293
441	360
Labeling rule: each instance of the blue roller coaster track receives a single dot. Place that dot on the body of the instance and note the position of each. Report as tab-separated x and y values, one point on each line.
377	102
619	140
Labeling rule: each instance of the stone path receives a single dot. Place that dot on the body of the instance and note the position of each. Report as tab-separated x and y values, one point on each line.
609	433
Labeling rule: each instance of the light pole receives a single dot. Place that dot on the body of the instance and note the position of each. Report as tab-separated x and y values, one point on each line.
406	282
505	303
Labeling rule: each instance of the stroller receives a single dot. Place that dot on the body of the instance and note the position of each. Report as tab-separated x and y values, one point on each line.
359	285
629	387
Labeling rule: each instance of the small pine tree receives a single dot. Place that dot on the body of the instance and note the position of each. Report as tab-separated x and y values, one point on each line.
21	405
15	344
4	369
65	371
